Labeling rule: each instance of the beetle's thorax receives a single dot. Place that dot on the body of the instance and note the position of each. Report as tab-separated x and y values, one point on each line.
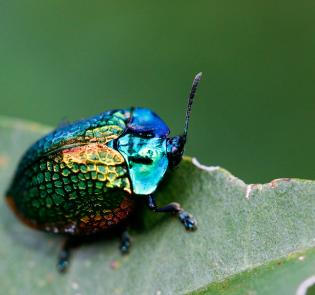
147	161
144	148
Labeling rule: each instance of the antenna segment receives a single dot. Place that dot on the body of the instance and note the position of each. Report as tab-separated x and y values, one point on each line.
190	101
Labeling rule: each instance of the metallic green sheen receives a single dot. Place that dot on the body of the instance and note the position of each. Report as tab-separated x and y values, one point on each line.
73	133
76	198
48	201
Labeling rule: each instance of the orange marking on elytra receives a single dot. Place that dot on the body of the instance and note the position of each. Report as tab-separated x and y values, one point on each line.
83	154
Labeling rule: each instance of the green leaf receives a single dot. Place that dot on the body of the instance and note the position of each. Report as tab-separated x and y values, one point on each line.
244	243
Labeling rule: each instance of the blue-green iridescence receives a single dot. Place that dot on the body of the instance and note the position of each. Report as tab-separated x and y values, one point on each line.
144	149
71	181
79	178
146	159
75	133
144	121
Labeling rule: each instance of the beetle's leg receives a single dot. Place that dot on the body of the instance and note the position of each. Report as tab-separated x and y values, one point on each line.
65	253
125	242
186	218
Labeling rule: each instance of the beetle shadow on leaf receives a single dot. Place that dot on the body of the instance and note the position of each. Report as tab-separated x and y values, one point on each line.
142	221
23	236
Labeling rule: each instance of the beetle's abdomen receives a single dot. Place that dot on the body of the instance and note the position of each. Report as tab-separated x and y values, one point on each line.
79	190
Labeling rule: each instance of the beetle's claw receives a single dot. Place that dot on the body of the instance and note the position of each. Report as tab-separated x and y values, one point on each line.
62	265
124	247
187	220
125	243
63	261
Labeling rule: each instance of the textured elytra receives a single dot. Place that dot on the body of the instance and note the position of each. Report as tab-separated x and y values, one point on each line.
73	197
100	128
76	189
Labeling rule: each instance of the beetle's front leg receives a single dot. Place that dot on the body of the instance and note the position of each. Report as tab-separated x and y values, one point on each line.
186	218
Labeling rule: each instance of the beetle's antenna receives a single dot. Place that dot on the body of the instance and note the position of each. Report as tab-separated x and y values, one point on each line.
190	101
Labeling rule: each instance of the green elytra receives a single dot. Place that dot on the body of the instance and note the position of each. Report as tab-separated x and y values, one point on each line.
83	178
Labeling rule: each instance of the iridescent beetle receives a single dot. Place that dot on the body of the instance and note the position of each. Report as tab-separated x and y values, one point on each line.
83	178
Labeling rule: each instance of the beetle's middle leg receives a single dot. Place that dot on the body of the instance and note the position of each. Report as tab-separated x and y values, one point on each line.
186	218
65	253
125	242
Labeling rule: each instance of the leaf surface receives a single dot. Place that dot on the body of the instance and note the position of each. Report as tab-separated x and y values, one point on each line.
245	234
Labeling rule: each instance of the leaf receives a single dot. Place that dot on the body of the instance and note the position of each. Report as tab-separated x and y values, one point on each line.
284	276
244	243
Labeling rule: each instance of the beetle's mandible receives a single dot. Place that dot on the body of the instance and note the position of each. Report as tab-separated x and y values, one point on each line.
84	178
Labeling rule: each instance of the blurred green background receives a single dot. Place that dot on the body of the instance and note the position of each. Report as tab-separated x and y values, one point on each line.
255	109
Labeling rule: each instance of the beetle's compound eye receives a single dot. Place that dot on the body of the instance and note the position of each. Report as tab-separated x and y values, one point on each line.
175	149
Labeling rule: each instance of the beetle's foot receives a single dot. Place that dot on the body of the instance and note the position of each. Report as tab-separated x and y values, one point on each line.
65	253
63	261
187	220
125	243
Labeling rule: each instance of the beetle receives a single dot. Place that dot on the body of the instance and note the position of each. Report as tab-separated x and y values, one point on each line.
84	178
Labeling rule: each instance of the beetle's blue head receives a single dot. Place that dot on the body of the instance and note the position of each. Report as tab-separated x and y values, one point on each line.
176	145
